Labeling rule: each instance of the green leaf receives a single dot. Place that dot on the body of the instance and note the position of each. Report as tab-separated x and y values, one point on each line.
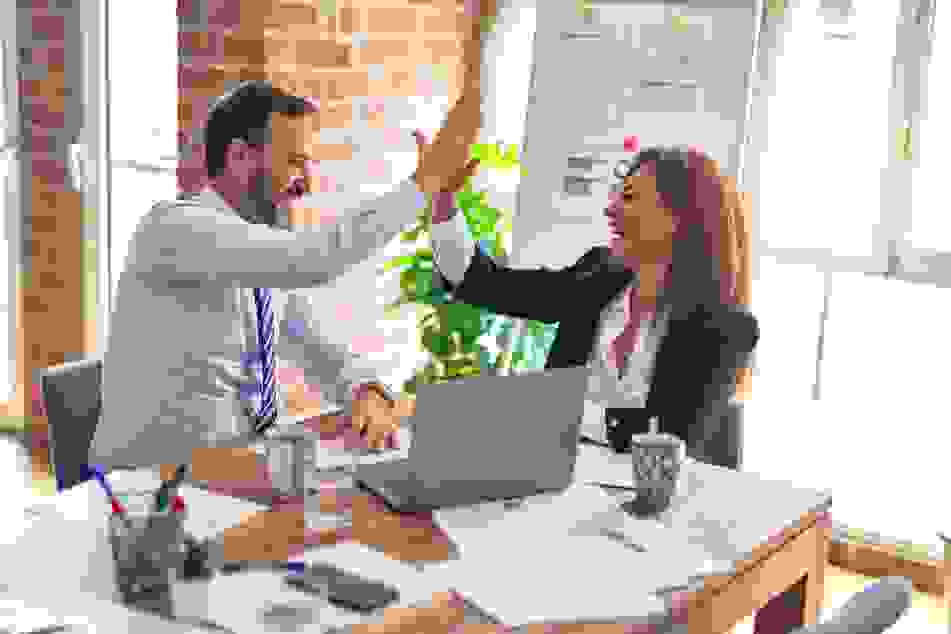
479	151
393	310
499	244
462	318
424	282
411	236
436	342
408	282
398	261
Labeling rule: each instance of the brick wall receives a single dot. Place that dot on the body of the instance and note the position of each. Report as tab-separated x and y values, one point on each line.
51	290
333	51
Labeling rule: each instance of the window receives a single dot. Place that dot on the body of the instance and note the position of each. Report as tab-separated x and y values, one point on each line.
827	139
930	217
9	204
143	120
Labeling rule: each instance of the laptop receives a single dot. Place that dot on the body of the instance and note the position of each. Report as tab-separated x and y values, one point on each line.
486	438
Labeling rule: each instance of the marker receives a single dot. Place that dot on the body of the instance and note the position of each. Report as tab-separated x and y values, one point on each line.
161	496
104	484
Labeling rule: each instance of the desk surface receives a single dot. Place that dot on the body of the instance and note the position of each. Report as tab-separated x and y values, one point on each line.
729	515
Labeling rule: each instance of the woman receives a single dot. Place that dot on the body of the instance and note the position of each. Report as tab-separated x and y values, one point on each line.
658	314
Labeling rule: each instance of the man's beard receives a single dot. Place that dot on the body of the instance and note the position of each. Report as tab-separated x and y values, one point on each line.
260	202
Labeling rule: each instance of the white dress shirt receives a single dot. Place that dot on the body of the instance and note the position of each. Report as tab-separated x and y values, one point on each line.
607	388
184	319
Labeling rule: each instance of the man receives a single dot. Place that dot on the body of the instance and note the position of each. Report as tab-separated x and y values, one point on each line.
188	375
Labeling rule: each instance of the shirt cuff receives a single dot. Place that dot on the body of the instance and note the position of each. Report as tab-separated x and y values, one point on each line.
453	248
444	207
375	386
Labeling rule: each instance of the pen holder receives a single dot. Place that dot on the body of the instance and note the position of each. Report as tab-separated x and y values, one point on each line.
657	461
147	550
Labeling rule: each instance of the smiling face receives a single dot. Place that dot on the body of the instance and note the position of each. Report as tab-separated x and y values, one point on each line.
292	163
281	171
642	227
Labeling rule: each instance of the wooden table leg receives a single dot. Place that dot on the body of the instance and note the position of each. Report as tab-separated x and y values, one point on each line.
801	603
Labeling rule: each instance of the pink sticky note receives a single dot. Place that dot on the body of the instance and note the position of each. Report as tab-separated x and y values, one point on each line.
631	144
328	184
375	105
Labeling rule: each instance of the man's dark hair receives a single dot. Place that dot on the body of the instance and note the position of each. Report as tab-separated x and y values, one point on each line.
245	113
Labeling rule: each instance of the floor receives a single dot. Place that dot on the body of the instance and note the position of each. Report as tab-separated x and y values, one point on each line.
927	614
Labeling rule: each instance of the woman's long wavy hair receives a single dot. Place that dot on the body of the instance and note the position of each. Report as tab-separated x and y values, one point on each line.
710	258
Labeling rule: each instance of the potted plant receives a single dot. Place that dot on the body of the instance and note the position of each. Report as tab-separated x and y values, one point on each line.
454	334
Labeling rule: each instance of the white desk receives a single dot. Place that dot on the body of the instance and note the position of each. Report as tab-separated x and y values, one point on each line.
732	517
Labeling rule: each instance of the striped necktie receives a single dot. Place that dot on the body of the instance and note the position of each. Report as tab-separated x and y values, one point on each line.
267	407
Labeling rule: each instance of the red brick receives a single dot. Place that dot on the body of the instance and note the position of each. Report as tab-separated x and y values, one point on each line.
440	51
343	84
322	53
382	51
349	20
390	19
443	20
290	13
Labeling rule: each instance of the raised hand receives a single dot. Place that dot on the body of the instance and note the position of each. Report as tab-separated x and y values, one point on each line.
446	178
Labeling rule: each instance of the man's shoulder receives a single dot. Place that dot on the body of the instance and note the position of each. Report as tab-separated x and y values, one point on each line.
182	208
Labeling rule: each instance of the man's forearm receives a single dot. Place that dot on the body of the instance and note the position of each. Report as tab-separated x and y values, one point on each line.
222	464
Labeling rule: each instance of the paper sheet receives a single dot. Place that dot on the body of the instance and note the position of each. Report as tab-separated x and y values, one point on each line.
565	512
562	579
17	617
328	457
268	605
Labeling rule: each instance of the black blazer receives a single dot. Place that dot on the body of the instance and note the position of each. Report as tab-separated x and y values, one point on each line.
696	362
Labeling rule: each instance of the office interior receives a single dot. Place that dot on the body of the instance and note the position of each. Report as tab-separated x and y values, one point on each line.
828	113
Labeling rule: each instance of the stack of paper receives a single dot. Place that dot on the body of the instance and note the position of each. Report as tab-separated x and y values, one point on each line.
565	512
17	617
267	604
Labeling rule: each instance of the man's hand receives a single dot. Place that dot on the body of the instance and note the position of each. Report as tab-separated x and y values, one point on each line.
374	415
448	179
445	612
444	164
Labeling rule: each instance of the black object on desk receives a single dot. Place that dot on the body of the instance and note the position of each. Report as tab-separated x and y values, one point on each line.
343	588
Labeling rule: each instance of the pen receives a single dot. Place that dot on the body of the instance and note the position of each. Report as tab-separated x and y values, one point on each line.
161	496
617	487
117	508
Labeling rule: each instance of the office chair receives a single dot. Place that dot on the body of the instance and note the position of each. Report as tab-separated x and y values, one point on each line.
871	611
72	395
